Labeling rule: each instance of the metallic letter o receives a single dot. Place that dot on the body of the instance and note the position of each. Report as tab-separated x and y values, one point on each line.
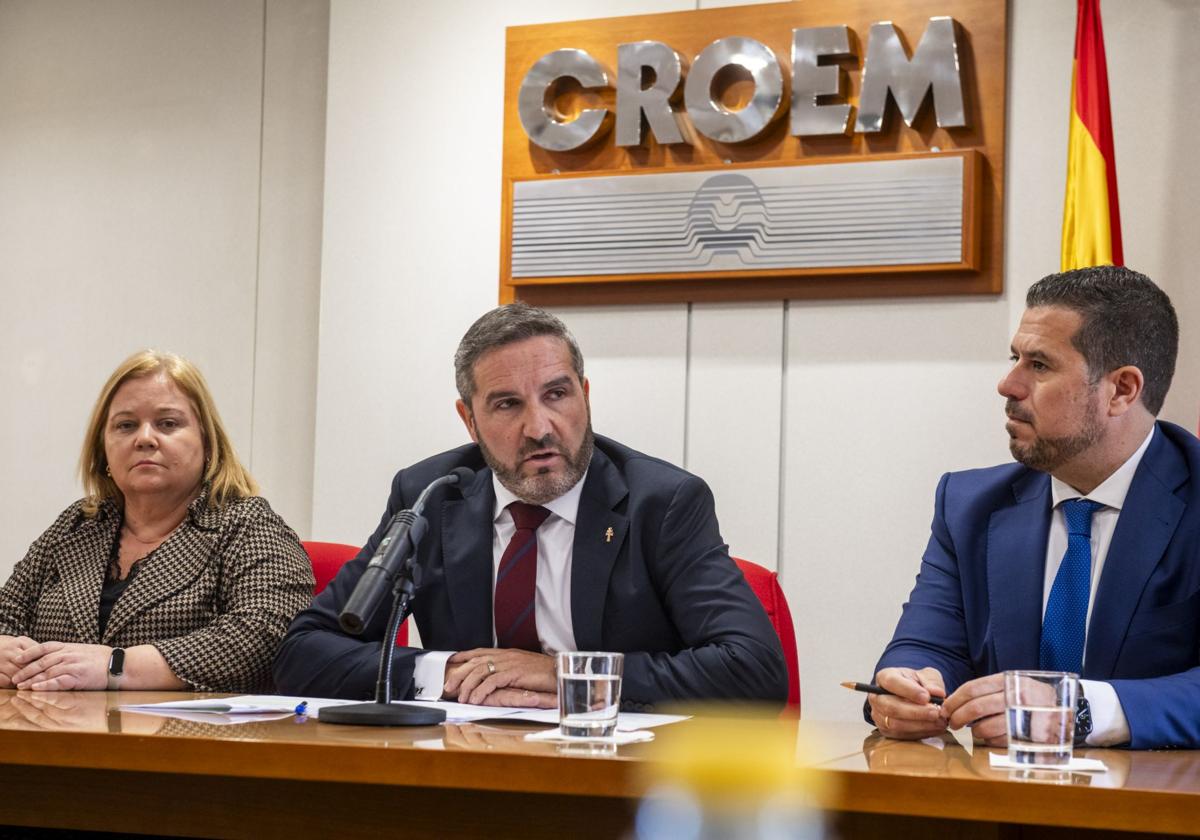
711	118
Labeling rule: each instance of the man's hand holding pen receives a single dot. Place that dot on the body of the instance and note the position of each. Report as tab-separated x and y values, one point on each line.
907	713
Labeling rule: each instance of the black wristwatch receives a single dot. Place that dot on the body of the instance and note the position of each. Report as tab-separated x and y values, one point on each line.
1083	720
116	667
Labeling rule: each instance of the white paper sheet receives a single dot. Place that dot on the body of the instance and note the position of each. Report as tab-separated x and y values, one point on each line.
240	709
247	707
626	721
619	737
1000	761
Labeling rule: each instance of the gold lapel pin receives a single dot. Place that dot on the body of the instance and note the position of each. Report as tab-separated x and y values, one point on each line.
608	535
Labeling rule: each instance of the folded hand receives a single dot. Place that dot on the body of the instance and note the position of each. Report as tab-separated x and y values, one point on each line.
62	666
502	677
10	648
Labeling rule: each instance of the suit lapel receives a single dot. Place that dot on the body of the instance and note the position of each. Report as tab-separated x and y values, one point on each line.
467	560
1144	529
170	568
595	548
1016	567
81	559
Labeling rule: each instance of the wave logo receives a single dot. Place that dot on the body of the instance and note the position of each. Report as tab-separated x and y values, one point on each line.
727	216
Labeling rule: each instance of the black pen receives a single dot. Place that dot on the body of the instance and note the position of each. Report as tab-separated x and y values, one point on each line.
870	688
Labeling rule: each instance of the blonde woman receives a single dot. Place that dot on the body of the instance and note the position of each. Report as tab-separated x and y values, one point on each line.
170	573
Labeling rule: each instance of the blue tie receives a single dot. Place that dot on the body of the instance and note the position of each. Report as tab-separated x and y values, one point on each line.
1065	624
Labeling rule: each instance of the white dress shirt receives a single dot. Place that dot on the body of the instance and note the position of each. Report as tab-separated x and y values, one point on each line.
1109	725
555	546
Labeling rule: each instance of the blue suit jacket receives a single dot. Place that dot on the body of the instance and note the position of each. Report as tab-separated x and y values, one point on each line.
976	608
663	590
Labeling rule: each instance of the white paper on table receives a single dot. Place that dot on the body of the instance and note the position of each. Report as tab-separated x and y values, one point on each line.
1000	761
626	721
240	709
465	712
619	737
213	718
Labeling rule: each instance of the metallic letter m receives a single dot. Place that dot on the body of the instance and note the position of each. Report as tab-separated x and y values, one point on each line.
887	67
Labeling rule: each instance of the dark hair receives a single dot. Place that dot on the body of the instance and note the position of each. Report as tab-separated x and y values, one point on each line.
1127	320
505	325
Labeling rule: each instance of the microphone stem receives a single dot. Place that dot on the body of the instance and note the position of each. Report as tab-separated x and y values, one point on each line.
383	685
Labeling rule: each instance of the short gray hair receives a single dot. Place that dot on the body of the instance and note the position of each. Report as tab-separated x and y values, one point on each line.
505	325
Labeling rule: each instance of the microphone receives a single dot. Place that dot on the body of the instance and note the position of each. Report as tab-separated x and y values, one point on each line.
398	544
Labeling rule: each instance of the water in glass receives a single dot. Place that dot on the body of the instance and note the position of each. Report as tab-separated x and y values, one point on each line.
588	704
1041	735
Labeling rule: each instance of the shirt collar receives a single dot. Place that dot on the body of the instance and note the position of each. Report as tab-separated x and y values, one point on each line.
565	506
1113	490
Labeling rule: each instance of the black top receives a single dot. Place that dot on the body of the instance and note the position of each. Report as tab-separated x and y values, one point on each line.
114	585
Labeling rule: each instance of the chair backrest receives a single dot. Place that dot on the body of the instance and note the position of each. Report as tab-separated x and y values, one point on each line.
765	585
327	560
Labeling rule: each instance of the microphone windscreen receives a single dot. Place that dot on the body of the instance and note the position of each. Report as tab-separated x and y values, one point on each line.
464	475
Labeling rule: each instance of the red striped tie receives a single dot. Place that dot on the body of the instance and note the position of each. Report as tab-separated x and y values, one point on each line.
516	581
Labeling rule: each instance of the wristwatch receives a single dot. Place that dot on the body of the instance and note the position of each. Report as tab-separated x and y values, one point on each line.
1083	720
116	667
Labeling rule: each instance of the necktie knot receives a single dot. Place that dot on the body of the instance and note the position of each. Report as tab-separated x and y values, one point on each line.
1078	513
527	517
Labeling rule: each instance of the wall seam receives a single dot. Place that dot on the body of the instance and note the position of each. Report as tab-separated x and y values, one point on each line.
687	384
262	132
783	393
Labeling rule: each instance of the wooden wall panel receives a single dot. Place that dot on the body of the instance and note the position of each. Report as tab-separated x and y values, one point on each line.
983	52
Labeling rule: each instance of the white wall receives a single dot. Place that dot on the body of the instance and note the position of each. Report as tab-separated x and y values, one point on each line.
160	178
822	427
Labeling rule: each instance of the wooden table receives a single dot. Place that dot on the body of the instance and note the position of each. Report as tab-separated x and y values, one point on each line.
73	760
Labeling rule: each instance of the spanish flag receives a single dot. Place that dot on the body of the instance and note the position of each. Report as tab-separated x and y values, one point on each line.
1091	217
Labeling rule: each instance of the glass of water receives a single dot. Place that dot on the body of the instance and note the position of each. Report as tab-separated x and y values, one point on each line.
1040	707
589	693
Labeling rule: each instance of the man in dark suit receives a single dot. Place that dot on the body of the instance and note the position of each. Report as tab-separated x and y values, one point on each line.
562	541
1084	556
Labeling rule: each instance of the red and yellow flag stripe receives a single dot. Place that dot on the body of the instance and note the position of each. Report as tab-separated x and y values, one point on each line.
1091	216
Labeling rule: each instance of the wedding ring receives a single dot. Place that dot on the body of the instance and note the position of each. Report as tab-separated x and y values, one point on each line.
491	667
887	722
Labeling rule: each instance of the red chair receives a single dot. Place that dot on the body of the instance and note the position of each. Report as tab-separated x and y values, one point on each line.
765	584
327	559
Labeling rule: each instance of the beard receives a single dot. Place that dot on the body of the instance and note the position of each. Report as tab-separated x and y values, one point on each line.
1047	454
543	486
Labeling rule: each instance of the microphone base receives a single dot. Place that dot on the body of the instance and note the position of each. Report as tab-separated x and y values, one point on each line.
382	714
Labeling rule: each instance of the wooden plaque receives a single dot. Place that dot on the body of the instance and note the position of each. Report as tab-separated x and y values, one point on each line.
566	279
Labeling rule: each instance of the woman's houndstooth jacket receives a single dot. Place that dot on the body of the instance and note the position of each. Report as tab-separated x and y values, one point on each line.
215	598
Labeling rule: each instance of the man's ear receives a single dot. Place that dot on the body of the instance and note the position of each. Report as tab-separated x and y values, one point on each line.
464	412
1127	384
587	387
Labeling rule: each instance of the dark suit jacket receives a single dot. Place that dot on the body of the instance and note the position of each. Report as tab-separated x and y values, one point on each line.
976	608
664	590
215	598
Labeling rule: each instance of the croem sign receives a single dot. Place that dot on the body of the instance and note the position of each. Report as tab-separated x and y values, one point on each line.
650	74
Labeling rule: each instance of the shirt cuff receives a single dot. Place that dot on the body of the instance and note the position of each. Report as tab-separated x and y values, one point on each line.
1109	726
429	674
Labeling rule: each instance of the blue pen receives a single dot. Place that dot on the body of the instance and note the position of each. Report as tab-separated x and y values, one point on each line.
302	708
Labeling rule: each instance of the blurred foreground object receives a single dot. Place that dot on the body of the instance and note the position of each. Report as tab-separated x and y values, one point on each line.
733	778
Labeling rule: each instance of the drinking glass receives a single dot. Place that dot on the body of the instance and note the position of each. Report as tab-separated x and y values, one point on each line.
1040	709
589	693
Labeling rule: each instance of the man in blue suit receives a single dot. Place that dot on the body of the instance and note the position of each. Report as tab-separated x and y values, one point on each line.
1082	557
562	541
